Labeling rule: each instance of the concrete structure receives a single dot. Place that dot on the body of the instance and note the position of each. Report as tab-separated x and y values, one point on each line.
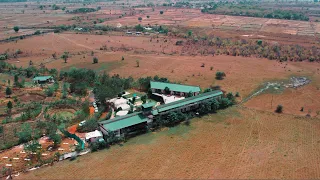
174	89
43	79
93	136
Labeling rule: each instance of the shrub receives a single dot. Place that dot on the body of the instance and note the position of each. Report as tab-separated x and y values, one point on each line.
279	109
89	125
220	75
95	60
16	28
37	32
179	42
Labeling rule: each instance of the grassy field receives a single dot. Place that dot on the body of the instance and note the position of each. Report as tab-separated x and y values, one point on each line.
235	143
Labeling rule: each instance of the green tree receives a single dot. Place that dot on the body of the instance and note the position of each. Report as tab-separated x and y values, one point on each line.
139	27
220	75
9	106
231	98
65	56
189	33
224	103
32	146
89	125
279	109
16	28
8	91
95	60
49	91
122	58
148	17
214	105
64	90
259	42
56	138
167	90
144	99
25	134
138	63
16	80
161	12
140	18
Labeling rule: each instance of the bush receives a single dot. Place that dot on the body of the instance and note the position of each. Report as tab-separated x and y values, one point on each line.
37	32
220	75
16	28
95	60
179	42
89	125
279	109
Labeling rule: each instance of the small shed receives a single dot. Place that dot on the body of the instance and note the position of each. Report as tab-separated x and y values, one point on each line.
43	79
93	136
148	106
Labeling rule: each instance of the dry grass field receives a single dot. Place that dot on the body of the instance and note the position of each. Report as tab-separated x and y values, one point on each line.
246	141
235	143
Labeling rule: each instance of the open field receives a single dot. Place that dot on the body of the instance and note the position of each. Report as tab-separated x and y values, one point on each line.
248	140
238	69
236	143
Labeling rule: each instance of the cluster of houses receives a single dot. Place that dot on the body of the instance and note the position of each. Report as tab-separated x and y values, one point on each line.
183	102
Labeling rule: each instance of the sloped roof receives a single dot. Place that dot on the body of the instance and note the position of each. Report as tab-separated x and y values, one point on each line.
148	105
42	78
123	121
174	87
189	100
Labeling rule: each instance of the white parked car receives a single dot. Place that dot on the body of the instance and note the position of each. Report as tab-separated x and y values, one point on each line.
82	123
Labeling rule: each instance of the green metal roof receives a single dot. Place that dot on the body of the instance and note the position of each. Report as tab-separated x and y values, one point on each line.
174	87
124	121
148	105
155	112
42	78
189	100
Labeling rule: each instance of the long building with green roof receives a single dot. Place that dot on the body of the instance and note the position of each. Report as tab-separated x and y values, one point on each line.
134	121
176	89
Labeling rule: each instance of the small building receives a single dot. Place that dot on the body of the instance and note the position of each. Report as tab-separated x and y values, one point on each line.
43	79
128	32
138	33
124	125
148	106
94	136
174	89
